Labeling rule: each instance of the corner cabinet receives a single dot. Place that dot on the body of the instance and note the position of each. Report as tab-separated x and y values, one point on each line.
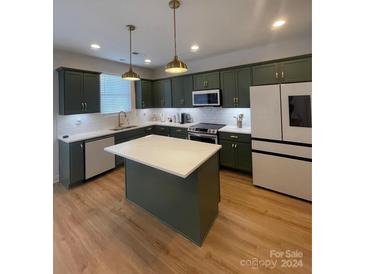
206	81
71	163
290	71
161	90
144	98
182	88
79	91
235	86
236	151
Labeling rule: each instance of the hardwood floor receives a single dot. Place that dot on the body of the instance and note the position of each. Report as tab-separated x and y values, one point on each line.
97	231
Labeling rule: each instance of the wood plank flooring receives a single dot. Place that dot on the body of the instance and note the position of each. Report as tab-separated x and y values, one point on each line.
97	231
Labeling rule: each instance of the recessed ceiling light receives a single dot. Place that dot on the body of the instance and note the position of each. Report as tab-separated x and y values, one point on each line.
194	48
94	46
278	23
147	61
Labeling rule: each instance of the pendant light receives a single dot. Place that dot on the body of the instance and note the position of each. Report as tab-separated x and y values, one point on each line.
130	75
176	65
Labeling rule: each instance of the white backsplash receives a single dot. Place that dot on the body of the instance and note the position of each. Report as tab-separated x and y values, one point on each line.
79	123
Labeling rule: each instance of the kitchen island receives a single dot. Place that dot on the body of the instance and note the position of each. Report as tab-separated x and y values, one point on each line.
175	180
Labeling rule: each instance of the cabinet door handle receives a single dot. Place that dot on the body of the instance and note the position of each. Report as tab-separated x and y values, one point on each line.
86	106
282	74
237	100
178	130
276	75
234	136
82	106
81	145
235	145
232	145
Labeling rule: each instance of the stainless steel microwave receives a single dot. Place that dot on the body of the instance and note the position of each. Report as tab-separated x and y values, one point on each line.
203	98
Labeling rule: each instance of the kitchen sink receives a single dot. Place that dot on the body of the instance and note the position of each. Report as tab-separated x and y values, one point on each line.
121	128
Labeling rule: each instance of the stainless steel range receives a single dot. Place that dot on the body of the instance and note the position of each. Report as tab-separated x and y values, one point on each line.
204	132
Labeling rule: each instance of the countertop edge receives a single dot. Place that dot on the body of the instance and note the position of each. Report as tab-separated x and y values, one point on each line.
107	132
230	129
184	176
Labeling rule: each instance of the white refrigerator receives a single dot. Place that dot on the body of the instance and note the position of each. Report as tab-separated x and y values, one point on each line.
281	125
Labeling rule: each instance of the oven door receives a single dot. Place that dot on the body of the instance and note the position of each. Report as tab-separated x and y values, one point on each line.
296	100
201	137
206	98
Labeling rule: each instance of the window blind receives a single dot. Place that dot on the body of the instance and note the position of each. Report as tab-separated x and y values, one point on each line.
115	94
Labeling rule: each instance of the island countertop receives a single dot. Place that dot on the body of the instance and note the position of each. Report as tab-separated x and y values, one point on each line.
172	155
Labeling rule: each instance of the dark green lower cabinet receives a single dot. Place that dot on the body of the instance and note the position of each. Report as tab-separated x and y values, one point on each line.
227	154
148	130
177	132
71	163
161	130
236	155
180	136
244	157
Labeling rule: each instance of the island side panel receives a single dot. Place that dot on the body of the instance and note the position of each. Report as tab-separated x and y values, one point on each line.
209	194
172	199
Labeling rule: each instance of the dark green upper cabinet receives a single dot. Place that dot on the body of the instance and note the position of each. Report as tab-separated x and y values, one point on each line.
235	85
229	88
161	90
79	91
208	80
71	96
91	92
182	88
265	74
144	97
290	71
299	70
243	78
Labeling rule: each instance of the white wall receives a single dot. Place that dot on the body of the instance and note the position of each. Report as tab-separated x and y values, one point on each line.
270	51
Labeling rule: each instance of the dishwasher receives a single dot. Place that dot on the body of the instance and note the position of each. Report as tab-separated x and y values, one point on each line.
97	160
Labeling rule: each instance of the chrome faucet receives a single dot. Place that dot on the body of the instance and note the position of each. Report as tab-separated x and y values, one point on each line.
125	116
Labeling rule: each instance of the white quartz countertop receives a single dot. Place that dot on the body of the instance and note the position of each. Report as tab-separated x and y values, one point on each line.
233	129
172	155
99	133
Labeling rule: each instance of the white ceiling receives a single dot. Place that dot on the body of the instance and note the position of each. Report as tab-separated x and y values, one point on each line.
217	26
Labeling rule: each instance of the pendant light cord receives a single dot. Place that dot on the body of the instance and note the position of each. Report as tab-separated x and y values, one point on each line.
130	48
175	29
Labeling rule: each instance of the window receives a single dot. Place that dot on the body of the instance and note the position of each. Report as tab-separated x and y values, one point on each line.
115	94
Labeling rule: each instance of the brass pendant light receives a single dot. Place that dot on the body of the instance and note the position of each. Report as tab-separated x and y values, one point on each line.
130	75
176	65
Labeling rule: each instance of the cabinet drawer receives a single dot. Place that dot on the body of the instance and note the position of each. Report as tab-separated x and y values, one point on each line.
148	130
161	130
245	138
178	131
129	134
